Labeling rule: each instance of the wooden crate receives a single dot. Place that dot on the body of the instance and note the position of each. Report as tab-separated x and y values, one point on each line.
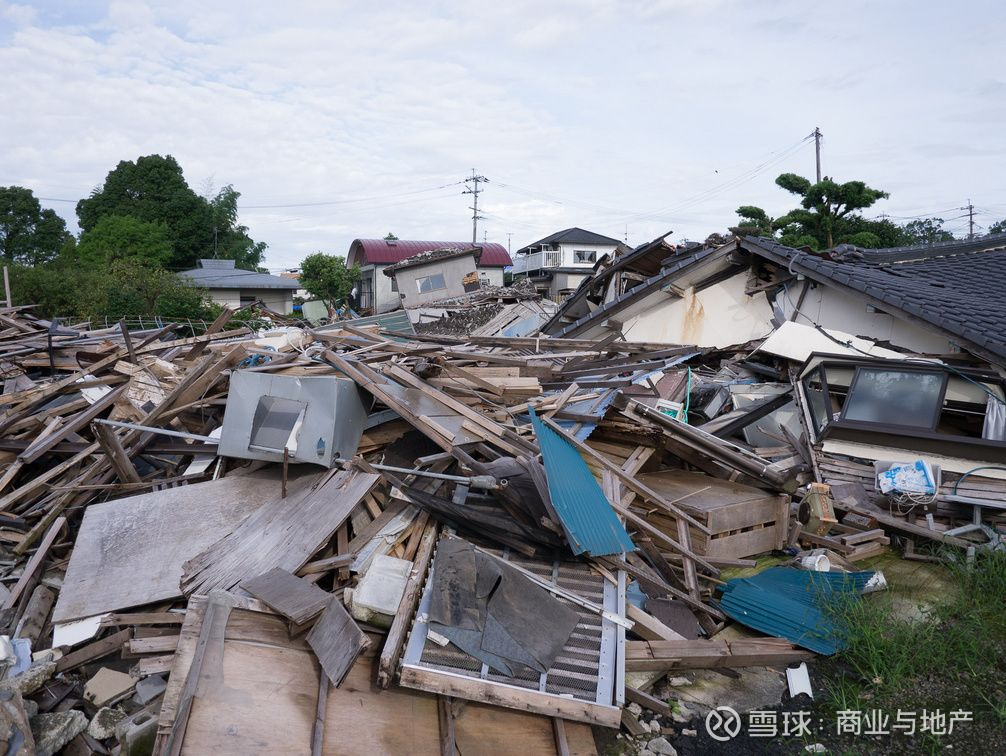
743	520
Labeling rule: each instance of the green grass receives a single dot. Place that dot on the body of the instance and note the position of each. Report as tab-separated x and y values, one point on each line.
951	657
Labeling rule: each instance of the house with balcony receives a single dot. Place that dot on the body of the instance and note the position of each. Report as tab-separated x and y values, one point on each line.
376	291
558	263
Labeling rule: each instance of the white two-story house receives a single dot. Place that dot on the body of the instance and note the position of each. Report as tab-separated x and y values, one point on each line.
559	262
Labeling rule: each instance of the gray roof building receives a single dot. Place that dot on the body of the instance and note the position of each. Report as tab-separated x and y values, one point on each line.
221	274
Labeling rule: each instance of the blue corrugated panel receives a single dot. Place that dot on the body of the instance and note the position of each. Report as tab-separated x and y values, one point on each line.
590	524
793	604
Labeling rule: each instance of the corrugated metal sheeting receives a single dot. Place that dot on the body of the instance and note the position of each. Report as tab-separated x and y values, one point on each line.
590	524
802	606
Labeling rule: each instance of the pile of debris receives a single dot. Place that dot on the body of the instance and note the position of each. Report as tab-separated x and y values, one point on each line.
348	540
514	310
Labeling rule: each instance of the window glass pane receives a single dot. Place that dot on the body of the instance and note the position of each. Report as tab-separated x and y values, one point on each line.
437	281
813	388
273	422
894	397
584	256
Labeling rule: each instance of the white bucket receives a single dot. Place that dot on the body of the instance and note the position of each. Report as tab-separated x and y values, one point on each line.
816	562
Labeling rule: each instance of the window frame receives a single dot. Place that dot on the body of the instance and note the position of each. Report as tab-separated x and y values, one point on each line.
431	277
591	252
934	420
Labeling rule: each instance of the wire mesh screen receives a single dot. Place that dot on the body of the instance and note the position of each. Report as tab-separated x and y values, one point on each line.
583	670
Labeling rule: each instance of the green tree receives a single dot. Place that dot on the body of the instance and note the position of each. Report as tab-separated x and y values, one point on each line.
123	237
998	228
328	278
391	237
823	206
753	222
926	231
121	289
230	238
29	234
153	189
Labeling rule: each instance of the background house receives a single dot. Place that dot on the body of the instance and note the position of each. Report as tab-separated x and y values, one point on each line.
233	287
374	255
432	276
560	262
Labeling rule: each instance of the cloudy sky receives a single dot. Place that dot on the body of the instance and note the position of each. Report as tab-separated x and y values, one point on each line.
338	120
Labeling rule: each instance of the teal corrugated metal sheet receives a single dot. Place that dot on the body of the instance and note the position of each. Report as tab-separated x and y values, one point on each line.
794	604
590	524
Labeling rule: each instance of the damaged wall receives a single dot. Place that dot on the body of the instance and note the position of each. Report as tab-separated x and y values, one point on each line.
717	316
832	309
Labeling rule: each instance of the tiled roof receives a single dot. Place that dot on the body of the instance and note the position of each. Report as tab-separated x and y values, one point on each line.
434	255
221	274
572	236
958	287
383	252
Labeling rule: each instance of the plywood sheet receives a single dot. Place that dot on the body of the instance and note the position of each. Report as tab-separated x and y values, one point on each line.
130	551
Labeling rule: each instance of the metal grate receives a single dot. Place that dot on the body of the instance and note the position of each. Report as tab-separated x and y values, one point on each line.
585	669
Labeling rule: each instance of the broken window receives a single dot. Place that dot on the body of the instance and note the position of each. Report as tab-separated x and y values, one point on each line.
584	256
275	424
431	283
817	399
895	397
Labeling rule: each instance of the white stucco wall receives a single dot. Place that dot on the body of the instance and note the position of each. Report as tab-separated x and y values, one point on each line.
280	300
719	316
847	312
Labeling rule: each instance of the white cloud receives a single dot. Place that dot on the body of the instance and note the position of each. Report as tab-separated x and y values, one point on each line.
651	115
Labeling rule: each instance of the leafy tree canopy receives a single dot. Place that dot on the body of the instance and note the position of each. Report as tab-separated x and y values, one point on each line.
122	289
230	238
391	237
29	234
328	278
926	231
123	237
754	222
153	189
998	228
823	206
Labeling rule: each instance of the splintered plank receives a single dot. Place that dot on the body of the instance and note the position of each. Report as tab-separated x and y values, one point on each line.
336	640
294	598
284	534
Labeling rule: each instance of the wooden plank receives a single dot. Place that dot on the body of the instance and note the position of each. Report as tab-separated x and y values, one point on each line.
284	534
117	455
336	640
318	733
144	618
499	694
95	650
635	695
156	645
296	599
445	715
651	656
153	665
153	534
33	565
80	420
649	627
406	608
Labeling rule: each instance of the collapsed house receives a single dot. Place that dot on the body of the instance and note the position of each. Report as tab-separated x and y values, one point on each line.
364	538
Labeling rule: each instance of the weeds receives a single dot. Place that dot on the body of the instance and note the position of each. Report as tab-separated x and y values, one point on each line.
952	657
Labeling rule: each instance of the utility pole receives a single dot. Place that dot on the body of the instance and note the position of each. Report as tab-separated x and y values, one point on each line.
508	235
971	219
817	150
474	190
